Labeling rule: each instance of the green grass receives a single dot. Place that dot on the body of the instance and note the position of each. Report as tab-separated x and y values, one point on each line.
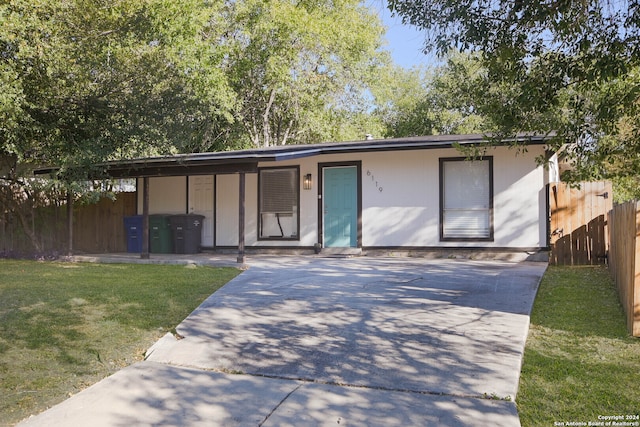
65	326
579	361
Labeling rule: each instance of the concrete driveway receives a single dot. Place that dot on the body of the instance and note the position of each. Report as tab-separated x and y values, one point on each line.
330	341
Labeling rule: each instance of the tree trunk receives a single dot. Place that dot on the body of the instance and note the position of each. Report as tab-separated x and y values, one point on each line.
27	227
266	129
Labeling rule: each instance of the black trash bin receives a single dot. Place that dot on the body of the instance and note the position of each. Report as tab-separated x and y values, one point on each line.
133	227
187	233
160	234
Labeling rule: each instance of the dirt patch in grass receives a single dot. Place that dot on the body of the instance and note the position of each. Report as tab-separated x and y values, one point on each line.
65	326
580	364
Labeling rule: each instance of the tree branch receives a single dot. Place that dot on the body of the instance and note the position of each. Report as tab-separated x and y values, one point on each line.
265	118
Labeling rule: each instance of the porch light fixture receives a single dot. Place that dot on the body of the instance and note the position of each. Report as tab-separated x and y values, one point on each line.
307	182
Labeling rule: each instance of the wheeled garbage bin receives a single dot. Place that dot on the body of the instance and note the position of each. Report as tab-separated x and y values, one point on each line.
133	227
187	233
160	234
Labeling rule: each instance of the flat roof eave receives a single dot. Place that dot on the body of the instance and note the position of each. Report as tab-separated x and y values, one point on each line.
246	161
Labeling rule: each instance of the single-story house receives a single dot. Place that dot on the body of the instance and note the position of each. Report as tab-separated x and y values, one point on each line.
389	194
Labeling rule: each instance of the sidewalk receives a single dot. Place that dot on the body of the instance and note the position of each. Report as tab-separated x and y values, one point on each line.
213	260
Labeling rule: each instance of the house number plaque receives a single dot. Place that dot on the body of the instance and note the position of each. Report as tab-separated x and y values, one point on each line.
373	180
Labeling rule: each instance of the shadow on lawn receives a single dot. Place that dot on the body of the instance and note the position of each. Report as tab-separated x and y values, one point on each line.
42	327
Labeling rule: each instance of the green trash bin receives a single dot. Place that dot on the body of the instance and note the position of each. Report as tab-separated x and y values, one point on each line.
160	234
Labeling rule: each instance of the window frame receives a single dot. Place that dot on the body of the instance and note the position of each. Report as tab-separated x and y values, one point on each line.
445	238
296	215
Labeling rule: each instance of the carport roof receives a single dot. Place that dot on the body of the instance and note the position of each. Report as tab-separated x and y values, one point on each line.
247	160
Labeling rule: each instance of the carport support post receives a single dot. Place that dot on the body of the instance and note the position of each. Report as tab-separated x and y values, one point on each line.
145	218
241	197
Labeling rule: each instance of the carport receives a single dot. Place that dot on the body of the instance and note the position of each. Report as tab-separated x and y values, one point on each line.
185	166
239	162
218	163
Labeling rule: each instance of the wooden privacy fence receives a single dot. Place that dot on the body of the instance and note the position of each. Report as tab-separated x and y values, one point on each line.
624	260
97	228
47	222
578	222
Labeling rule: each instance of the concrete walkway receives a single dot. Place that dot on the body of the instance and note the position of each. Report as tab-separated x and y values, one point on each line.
321	341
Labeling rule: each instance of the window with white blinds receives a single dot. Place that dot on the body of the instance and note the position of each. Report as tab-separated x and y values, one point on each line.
466	199
278	203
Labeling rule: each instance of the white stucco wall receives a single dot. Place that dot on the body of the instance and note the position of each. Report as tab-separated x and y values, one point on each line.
167	195
519	199
400	200
401	191
226	223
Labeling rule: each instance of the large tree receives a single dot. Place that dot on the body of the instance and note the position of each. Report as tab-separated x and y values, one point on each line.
301	69
85	81
430	101
88	81
567	66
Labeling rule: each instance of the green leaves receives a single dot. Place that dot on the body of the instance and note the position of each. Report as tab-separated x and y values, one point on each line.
87	81
551	66
298	67
94	81
441	100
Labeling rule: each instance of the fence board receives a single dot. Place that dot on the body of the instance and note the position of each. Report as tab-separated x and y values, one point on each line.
47	223
578	224
625	260
97	227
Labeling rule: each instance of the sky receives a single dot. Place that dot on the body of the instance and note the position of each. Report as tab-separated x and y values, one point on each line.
405	41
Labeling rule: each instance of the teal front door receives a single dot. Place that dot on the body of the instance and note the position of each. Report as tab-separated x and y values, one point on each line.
340	206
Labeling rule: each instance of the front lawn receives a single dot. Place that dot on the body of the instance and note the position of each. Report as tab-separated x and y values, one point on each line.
580	364
65	326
